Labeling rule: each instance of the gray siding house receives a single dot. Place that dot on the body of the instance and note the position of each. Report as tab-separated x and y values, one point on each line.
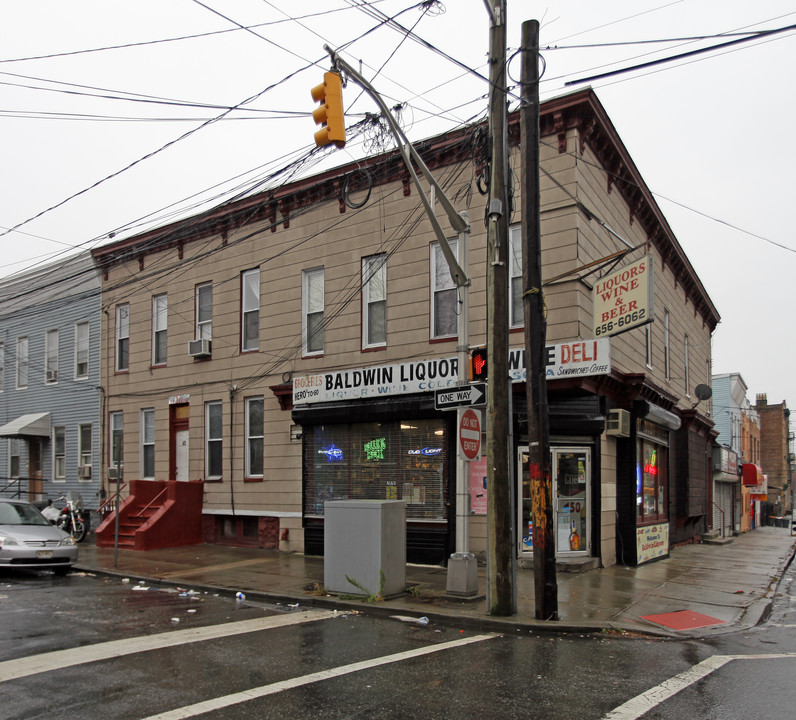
50	396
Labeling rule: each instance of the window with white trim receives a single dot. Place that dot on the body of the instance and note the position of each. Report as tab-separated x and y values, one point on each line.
81	350
648	344
148	444
84	450
516	312
14	452
22	362
122	337
686	374
444	303
204	311
59	454
2	366
160	322
312	304
374	301
250	310
117	439
254	437
51	357
667	353
213	440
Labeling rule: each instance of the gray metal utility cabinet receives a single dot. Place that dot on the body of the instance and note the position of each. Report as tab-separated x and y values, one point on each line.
363	539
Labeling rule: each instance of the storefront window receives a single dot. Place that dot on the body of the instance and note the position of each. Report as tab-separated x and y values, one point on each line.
377	461
651	474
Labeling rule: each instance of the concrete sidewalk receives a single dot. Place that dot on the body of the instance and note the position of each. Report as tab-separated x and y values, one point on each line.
731	585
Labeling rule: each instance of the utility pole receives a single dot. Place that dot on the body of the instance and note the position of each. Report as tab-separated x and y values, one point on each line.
544	551
501	596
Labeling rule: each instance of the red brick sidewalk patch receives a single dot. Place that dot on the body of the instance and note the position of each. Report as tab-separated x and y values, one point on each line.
683	620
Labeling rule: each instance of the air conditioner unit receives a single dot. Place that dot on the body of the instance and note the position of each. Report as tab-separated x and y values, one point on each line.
115	473
84	472
618	423
199	348
52	376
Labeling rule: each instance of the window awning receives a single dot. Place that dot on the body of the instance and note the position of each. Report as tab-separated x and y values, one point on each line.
35	424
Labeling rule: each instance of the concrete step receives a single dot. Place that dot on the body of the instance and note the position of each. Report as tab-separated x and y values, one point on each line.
717	540
577	564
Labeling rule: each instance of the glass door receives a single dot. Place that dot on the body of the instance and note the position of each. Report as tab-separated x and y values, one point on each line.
571	470
571	480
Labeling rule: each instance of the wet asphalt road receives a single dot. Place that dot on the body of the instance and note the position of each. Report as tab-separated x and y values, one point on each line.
326	665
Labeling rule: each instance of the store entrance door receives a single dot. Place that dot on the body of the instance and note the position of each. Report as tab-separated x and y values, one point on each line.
571	471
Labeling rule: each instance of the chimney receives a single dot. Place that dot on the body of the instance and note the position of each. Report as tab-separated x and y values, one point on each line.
762	399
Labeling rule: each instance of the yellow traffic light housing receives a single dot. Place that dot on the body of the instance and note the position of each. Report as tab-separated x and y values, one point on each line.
330	112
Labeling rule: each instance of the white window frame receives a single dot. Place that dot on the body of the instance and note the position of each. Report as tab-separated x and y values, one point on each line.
23	362
51	357
59	458
82	349
2	366
85	450
648	345
123	337
667	350
516	309
254	438
213	439
686	371
374	294
116	427
249	308
204	311
160	329
442	282
14	451
147	441
313	308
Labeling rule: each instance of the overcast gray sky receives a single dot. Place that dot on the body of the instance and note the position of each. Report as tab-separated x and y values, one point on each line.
114	117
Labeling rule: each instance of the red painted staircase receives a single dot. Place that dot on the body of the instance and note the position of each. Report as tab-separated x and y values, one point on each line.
156	514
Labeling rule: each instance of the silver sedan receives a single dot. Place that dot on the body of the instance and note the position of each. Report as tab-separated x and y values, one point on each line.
28	540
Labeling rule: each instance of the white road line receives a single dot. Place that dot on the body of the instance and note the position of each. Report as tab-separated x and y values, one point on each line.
646	701
225	701
22	667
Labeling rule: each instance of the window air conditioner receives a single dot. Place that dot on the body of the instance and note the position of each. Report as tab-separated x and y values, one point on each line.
52	375
114	473
84	472
199	348
618	423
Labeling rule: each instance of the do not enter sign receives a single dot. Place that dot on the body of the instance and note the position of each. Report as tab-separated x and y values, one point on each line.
470	434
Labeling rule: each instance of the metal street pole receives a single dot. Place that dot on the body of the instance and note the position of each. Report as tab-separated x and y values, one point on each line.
501	596
544	551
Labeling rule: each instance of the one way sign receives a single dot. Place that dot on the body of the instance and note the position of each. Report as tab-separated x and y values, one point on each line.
462	396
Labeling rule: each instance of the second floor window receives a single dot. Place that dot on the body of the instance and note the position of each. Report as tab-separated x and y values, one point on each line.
374	301
51	356
686	374
667	367
312	301
516	316
250	310
2	366
444	310
81	350
204	311
123	337
22	362
160	315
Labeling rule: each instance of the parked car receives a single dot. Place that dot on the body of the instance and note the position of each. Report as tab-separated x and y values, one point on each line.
29	541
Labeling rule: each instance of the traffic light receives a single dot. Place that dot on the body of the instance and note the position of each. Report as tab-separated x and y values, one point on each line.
330	113
478	366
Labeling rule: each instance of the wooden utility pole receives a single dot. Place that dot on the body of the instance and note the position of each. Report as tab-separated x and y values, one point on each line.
544	551
500	519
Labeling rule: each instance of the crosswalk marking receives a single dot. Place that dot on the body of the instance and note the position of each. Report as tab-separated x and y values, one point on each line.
22	667
646	701
206	706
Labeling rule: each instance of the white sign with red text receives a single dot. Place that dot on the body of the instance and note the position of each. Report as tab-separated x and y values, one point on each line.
623	299
579	358
470	434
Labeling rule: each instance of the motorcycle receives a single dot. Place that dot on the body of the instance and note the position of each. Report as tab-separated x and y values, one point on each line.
71	519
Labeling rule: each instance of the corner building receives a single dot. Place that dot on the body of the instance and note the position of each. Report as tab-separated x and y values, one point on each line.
283	350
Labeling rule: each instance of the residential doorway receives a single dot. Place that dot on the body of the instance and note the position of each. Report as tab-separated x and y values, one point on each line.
179	443
571	473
